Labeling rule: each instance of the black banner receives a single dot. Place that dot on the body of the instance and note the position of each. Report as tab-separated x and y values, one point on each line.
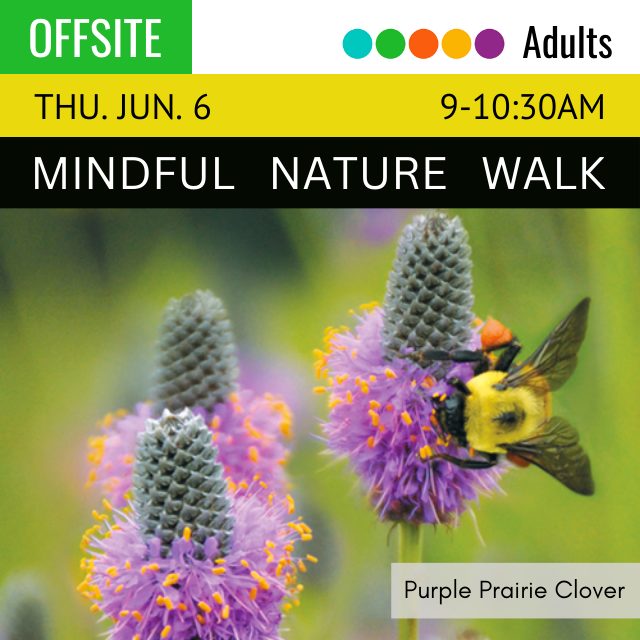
320	172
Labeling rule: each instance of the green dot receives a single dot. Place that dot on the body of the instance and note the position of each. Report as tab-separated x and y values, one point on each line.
390	43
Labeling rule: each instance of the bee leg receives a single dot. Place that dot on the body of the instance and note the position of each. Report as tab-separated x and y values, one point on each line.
482	367
504	362
457	384
442	355
491	461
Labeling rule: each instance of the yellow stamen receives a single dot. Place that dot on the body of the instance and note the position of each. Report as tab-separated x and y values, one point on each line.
137	615
225	612
312	558
218	598
186	534
425	452
319	390
166	631
390	374
171	579
406	418
203	606
219	571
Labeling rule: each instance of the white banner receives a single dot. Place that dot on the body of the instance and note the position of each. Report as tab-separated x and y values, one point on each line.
289	36
476	590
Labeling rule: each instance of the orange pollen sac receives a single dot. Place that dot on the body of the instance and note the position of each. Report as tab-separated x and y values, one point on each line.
494	334
517	460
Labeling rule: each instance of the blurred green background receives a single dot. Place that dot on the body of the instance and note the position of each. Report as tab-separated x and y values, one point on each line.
81	294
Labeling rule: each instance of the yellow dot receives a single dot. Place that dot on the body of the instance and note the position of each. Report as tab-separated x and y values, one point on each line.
456	43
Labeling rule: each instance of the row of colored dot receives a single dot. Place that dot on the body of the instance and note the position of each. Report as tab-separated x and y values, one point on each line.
423	43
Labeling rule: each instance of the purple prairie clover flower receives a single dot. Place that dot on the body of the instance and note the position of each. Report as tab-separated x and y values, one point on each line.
250	432
181	597
197	369
192	556
382	404
382	419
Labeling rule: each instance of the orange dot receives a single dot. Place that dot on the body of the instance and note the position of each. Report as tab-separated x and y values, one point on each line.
423	43
456	43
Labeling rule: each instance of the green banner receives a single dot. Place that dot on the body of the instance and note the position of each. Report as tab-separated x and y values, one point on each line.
72	36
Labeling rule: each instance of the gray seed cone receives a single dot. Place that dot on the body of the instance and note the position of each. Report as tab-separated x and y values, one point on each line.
177	483
428	300
23	611
197	365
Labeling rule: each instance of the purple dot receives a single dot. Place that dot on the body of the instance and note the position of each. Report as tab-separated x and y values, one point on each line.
489	43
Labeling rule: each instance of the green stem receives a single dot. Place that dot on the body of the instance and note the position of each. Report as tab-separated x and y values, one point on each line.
410	551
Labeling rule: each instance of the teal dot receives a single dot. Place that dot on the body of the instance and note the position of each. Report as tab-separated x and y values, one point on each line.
390	43
357	44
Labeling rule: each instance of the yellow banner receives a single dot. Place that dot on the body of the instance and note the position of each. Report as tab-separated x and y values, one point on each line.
320	105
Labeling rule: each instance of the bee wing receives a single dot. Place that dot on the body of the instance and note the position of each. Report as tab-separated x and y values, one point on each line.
556	450
553	362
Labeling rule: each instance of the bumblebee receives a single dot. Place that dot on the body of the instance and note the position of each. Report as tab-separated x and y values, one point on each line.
505	409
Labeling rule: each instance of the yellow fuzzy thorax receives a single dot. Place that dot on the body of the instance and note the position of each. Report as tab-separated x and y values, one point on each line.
482	408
